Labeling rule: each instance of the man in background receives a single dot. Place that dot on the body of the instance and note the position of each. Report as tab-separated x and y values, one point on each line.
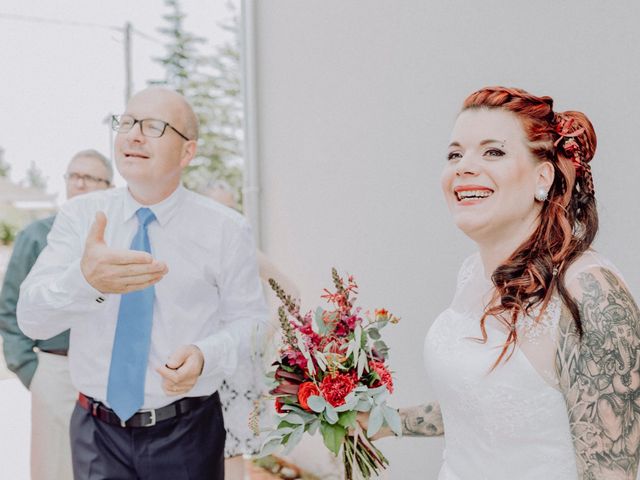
42	365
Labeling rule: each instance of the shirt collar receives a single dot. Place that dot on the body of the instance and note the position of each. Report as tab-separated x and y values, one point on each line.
163	210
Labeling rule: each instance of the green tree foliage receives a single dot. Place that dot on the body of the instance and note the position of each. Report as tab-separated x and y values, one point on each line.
212	83
5	168
35	177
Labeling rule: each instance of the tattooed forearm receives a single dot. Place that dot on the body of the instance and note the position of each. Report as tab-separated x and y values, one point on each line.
422	421
600	377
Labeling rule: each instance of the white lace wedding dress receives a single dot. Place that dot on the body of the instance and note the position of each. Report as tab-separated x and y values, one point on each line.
510	423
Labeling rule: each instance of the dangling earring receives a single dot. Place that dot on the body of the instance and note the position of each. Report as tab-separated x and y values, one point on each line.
541	194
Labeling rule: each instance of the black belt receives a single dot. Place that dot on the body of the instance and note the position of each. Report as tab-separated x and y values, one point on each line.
143	418
55	351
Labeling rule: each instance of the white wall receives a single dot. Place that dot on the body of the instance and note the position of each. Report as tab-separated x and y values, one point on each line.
355	104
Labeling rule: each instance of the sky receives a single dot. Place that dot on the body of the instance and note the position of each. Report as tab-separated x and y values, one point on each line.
58	83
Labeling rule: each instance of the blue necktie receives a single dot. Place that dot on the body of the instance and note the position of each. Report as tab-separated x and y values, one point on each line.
130	354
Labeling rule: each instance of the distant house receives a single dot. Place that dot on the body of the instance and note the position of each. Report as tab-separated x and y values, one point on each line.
19	204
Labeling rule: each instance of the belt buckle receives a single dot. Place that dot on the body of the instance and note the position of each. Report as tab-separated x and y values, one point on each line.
152	417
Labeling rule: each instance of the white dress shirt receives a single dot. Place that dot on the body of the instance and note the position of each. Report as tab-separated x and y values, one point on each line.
211	296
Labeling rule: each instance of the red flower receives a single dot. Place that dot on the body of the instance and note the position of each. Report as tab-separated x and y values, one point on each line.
383	374
279	405
307	389
335	389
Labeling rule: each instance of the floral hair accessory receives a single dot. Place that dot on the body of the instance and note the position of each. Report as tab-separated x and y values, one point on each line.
567	140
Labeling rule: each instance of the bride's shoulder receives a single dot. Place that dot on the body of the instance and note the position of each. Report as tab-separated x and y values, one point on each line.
600	292
589	265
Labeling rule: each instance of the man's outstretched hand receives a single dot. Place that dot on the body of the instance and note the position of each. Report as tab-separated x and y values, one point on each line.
111	270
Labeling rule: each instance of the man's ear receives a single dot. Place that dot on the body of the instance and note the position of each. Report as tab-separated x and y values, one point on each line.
188	152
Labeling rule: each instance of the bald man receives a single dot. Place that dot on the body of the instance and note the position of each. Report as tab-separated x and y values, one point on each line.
159	287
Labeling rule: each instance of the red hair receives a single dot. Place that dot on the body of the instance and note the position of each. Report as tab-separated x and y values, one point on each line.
568	219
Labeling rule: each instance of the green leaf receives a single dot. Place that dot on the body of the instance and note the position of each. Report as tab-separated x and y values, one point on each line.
348	419
374	334
317	403
381	348
333	436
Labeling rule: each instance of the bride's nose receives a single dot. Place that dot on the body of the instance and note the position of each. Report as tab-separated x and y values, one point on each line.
467	165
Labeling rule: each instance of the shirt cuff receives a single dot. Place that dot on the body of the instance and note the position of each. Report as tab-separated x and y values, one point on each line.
219	353
73	282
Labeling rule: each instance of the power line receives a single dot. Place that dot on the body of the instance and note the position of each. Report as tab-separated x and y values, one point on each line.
32	19
72	23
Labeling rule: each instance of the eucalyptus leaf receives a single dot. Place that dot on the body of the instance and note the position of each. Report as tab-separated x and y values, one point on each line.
376	419
381	397
350	402
392	418
271	446
317	403
294	439
381	348
330	414
374	334
333	436
321	327
302	413
322	361
364	405
362	363
313	426
283	431
294	418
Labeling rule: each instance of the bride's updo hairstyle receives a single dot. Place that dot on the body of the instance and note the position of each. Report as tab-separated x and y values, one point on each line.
568	220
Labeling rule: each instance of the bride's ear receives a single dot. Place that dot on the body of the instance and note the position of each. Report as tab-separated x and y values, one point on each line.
545	173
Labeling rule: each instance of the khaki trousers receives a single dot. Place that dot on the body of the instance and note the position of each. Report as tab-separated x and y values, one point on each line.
52	400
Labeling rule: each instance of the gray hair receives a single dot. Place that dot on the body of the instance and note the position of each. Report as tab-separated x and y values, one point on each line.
90	152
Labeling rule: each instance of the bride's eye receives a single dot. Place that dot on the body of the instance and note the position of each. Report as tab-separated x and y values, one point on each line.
494	152
454	155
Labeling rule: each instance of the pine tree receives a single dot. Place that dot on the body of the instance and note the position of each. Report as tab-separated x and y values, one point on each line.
211	82
35	178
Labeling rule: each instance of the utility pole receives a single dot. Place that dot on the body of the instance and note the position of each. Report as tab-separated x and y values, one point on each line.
127	62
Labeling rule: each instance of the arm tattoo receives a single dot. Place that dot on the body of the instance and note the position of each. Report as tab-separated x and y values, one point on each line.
600	378
422	421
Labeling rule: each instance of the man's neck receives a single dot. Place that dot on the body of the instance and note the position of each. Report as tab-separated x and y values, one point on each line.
151	195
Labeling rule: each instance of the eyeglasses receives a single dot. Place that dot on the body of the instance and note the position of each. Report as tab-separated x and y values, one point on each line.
150	127
89	180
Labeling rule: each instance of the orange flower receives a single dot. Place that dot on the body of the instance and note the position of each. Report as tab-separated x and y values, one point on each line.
381	312
307	389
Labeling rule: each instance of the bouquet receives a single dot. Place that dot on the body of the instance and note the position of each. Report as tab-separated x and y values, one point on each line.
332	365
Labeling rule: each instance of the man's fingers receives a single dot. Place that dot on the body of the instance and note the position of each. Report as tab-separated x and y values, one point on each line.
96	232
137	269
133	287
178	358
169	375
127	257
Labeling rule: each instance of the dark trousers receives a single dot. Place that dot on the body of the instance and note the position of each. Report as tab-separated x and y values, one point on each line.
186	447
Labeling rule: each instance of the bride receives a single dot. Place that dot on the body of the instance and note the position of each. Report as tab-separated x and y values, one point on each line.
536	363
